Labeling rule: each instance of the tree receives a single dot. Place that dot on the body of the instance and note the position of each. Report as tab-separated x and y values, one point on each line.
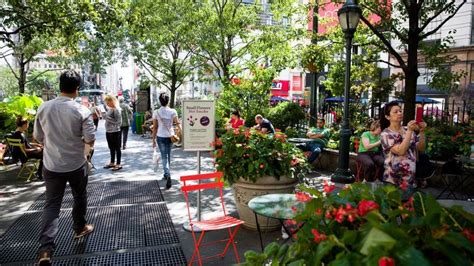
48	80
28	28
411	22
161	36
8	83
233	36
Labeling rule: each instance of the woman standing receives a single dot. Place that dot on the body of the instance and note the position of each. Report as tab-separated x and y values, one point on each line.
369	155
113	122
400	145
163	120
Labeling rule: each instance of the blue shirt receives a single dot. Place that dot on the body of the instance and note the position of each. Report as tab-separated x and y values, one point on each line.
62	126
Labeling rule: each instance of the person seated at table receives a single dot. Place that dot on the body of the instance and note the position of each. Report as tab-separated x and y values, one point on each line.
320	136
235	120
369	153
263	125
33	150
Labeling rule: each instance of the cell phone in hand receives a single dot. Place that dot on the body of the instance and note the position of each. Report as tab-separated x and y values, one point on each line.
419	115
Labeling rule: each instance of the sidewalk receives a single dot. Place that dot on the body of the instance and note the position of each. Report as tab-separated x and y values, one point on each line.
134	198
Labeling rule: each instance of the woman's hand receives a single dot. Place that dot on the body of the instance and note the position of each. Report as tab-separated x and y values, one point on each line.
154	143
422	126
412	126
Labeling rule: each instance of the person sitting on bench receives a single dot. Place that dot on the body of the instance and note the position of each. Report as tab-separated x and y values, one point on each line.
320	136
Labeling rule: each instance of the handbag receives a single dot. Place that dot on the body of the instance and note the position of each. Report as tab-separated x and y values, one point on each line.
174	138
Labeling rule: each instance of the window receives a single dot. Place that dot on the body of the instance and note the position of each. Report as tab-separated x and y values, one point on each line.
472	74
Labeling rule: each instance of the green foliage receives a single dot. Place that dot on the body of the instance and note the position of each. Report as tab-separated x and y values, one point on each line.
250	97
248	154
358	226
39	80
314	57
286	114
8	83
445	142
10	108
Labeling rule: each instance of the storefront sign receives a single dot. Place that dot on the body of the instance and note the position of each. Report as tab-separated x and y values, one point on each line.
198	125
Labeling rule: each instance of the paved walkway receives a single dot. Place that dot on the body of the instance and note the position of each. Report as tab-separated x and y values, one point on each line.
129	211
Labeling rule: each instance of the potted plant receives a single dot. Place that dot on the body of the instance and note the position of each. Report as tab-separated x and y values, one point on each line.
314	57
358	226
257	164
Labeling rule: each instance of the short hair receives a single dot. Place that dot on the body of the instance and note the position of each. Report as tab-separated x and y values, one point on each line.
374	125
164	99
236	113
121	99
69	81
259	116
322	119
21	121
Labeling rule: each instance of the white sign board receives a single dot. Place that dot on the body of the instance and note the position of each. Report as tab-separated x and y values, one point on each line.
198	125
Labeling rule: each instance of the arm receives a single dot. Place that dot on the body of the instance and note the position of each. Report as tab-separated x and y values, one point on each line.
421	145
367	145
154	131
88	131
402	148
38	133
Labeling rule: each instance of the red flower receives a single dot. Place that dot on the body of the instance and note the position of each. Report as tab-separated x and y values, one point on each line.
294	162
328	188
262	166
468	234
386	261
339	214
328	215
247	133
319	212
317	236
294	209
404	185
303	197
366	206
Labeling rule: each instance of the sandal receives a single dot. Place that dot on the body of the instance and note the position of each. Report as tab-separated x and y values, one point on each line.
109	166
117	167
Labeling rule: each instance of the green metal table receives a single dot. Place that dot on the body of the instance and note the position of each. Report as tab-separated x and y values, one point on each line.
277	206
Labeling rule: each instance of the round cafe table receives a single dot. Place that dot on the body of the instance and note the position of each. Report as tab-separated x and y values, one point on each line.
277	206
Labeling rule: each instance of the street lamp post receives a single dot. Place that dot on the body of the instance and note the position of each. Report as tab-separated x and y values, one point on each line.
349	15
313	101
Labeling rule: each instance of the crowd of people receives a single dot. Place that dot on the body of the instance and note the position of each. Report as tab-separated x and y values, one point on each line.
63	128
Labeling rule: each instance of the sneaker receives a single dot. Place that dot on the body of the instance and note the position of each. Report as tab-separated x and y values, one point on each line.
284	235
44	258
87	229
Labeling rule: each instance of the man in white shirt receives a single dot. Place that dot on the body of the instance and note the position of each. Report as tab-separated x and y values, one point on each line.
64	127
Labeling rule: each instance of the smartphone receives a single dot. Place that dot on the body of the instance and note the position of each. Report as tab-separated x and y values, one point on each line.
419	115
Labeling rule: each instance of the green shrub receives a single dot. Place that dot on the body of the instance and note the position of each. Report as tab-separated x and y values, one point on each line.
285	115
10	108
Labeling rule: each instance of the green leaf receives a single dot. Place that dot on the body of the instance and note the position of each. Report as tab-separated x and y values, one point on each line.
323	249
376	237
411	257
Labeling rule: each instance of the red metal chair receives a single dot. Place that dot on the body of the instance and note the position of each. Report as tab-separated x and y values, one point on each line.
222	221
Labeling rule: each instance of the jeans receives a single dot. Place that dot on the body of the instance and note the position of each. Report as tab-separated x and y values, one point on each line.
113	140
314	148
124	135
164	144
55	186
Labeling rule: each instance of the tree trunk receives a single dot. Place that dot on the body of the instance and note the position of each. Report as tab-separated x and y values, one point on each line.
22	76
411	71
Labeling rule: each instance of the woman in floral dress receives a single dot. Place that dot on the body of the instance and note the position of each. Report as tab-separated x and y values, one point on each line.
400	145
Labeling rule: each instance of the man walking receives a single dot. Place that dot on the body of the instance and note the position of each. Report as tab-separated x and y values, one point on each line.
64	127
126	117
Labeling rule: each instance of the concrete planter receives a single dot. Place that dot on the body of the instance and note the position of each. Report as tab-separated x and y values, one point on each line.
245	190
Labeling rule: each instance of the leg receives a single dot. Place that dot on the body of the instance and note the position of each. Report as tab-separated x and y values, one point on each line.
124	136
367	164
378	160
316	149
78	181
117	146
55	185
164	144
110	140
37	154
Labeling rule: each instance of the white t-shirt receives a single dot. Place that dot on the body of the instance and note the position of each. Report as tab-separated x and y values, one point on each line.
165	116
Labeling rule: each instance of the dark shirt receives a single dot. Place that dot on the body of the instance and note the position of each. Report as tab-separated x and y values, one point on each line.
17	153
266	124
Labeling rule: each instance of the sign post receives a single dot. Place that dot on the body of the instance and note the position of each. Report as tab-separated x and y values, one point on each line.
198	133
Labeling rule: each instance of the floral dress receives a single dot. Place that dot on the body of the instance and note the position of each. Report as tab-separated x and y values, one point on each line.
398	167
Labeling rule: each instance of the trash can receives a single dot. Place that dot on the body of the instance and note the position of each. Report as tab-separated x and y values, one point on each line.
138	117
